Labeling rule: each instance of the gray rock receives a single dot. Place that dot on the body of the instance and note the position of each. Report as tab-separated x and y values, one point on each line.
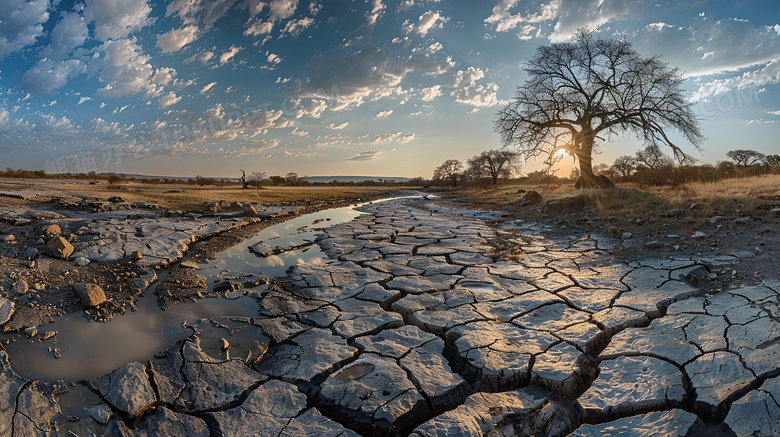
81	261
91	295
627	235
380	400
163	422
100	413
275	408
6	310
31	252
673	213
672	423
481	413
744	220
20	287
629	384
306	356
36	409
127	389
58	247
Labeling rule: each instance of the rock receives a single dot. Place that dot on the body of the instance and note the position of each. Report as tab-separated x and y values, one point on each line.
673	423
91	295
57	353
250	211
716	219
127	389
744	220
10	239
20	287
48	334
694	205
673	213
40	241
564	204
698	235
225	344
614	231
81	261
36	410
101	413
189	265
58	247
775	211
31	332
6	310
31	252
22	222
627	236
163	422
655	244
116	199
136	256
530	198
381	400
275	408
52	230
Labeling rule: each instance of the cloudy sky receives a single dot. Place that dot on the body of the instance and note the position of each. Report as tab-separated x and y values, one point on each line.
340	87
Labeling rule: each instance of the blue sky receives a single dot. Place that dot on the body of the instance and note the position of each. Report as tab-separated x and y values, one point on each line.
340	87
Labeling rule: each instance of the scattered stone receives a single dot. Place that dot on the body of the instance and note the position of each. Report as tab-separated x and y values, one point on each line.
58	247
530	198
655	244
31	252
10	239
189	265
100	413
744	220
22	222
627	236
673	213
127	389
52	230
91	295
137	256
116	199
57	353
81	261
694	205
614	231
698	235
20	288
48	334
31	332
714	220
6	310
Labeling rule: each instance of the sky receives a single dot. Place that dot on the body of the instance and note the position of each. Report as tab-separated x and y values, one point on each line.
341	87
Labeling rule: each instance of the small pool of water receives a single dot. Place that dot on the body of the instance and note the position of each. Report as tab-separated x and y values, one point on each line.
90	350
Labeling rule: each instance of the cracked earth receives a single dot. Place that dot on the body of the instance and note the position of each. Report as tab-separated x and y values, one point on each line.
422	325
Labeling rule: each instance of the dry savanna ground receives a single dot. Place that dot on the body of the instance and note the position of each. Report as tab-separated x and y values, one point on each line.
192	197
753	196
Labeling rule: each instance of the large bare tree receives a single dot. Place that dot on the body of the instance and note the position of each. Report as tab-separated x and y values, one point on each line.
583	91
450	169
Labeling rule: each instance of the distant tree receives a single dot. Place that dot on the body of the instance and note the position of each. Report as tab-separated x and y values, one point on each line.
278	180
685	160
624	165
292	176
746	158
450	169
575	173
652	157
580	91
494	164
773	160
115	180
600	169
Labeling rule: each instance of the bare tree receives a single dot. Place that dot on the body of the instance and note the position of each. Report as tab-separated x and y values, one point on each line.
494	164
652	157
624	165
746	158
773	160
578	92
450	169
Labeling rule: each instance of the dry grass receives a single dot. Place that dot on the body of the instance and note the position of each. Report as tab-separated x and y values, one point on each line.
752	196
193	197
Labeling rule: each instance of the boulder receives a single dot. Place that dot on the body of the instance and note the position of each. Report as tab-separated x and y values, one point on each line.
127	389
31	252
81	261
58	247
52	230
531	198
91	295
564	204
6	309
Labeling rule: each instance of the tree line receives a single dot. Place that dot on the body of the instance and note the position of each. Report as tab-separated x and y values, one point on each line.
489	166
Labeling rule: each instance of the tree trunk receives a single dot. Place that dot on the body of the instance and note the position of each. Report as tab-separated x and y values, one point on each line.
587	179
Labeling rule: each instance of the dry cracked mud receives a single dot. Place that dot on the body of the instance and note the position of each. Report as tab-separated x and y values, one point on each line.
434	321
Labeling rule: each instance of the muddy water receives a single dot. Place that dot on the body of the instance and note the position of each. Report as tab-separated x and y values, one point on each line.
89	350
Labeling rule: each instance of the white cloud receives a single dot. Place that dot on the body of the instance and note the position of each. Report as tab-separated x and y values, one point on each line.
282	9
295	27
259	27
174	40
202	57
117	18
164	76
300	133
70	32
376	11
341	126
273	59
199	12
430	93
307	107
167	100
469	92
21	24
208	87
368	155
768	74
83	99
568	16
770	112
426	22
124	69
228	54
398	136
47	75
384	114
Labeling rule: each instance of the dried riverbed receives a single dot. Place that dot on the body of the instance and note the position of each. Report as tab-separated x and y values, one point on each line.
428	319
